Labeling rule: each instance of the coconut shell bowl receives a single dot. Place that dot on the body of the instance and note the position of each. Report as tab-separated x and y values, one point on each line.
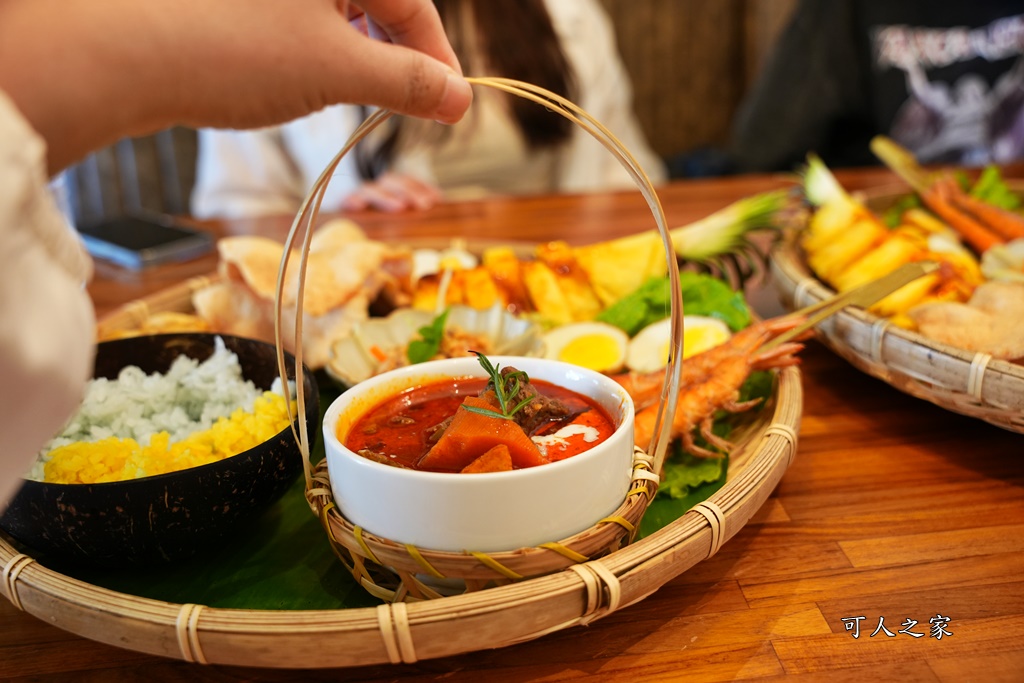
165	517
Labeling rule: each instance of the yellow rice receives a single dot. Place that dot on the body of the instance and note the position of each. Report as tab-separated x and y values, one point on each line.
117	459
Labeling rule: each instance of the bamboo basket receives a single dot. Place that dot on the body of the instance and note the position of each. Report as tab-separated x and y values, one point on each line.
565	592
395	571
972	384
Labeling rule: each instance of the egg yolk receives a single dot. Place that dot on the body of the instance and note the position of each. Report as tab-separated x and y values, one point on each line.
592	351
699	339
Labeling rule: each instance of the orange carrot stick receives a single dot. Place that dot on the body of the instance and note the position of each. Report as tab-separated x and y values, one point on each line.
973	232
1006	224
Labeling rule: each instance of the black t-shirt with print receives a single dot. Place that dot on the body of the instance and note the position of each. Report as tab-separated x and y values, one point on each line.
946	79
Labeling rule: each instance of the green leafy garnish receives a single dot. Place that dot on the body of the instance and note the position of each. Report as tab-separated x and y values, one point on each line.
702	295
687	472
505	389
665	509
992	189
758	385
427	346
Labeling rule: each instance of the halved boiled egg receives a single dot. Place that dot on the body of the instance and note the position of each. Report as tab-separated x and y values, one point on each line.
648	350
594	345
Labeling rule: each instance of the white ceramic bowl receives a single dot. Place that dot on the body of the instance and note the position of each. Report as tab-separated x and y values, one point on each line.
488	512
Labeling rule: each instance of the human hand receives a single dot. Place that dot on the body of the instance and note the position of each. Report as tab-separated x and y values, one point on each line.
279	61
121	68
393	192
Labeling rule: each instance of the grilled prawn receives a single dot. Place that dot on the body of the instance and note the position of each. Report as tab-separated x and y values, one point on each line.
710	382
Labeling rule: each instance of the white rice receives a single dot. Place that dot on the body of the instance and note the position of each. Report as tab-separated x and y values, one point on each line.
189	398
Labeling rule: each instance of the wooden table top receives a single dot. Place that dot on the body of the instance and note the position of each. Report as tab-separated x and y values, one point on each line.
894	509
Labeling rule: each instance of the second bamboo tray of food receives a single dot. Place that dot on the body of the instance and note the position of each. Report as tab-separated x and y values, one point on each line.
962	381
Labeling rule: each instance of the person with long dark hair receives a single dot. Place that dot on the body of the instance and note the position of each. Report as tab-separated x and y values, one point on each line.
505	144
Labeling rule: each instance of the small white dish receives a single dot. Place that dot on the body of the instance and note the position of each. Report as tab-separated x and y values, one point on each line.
354	357
489	512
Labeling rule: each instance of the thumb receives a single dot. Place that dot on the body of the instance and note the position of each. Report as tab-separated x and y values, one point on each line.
402	79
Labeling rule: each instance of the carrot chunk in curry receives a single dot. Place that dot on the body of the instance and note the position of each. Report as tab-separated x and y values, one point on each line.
497	459
470	435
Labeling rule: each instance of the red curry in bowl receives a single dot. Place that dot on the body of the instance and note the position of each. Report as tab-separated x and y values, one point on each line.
466	425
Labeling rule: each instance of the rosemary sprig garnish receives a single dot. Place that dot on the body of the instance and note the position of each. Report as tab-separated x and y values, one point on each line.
505	389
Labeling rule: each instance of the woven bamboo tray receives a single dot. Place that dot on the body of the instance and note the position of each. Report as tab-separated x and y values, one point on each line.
404	632
962	381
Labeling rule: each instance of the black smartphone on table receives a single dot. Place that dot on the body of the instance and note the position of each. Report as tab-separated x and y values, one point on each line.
140	240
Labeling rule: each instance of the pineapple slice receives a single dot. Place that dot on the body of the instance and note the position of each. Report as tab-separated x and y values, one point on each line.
829	222
857	240
572	280
906	297
892	253
926	222
618	267
547	297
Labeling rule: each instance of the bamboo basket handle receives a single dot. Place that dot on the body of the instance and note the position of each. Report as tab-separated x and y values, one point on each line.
310	209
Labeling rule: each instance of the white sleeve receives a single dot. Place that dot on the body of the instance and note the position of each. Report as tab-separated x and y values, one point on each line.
244	173
604	91
46	339
312	143
270	170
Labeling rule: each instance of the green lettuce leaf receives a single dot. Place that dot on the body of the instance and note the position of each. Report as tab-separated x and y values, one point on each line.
702	295
684	472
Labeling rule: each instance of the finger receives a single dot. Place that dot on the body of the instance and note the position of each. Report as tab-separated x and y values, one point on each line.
404	80
415	24
372	195
416	192
354	202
